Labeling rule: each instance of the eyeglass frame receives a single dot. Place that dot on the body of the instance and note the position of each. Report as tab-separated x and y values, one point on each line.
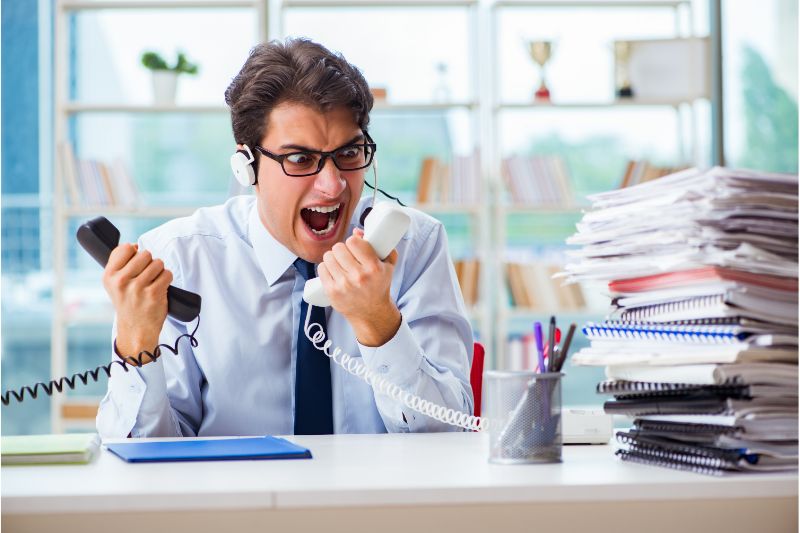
368	143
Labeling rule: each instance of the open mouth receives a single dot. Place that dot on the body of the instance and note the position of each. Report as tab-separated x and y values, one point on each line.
321	220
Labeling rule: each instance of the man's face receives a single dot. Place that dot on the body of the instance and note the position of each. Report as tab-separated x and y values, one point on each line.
308	214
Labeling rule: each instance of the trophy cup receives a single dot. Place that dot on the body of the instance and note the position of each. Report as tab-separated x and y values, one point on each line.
540	52
622	56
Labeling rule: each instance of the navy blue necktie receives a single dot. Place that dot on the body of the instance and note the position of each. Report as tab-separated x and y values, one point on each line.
313	404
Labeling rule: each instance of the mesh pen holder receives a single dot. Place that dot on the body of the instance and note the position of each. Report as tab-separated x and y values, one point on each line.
525	410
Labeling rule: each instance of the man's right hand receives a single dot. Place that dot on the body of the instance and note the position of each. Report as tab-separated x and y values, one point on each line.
137	285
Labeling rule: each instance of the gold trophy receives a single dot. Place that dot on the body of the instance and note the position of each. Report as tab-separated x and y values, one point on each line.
622	56
540	52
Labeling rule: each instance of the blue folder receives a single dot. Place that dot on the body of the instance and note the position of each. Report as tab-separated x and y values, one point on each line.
209	450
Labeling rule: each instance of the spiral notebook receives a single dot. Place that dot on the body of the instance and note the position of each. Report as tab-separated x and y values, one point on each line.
778	374
704	307
657	389
700	403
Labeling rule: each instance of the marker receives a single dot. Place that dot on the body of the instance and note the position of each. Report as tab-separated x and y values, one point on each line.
551	339
563	358
537	333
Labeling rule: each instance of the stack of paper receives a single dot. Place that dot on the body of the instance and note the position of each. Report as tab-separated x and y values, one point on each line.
700	344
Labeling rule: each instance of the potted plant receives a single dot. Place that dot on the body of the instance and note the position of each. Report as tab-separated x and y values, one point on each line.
165	78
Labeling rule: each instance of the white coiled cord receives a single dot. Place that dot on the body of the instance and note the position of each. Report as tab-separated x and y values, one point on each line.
381	385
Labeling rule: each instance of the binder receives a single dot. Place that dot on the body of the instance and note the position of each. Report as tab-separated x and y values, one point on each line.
209	450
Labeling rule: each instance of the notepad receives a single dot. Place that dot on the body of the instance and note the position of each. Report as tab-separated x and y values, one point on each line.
49	449
209	450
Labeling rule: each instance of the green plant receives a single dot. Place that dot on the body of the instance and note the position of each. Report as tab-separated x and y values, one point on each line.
154	61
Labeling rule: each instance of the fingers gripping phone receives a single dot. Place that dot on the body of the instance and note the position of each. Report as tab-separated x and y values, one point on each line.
383	229
99	237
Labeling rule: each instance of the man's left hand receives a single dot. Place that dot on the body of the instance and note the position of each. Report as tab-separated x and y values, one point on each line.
357	284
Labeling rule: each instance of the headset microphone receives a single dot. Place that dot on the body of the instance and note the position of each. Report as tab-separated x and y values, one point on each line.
241	164
375	191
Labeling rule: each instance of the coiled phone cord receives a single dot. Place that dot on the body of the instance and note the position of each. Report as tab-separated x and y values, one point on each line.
380	384
94	375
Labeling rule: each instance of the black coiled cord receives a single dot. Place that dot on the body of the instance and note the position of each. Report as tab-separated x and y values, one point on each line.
124	362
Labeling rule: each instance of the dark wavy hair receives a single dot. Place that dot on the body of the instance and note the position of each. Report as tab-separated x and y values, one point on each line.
295	70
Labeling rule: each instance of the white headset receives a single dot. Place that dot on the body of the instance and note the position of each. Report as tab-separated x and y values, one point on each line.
241	164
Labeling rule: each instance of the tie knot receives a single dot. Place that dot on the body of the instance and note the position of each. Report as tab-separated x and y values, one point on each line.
305	269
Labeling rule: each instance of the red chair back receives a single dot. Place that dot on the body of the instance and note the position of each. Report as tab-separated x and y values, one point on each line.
476	376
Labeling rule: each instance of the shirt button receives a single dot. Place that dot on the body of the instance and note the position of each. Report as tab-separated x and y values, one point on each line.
383	369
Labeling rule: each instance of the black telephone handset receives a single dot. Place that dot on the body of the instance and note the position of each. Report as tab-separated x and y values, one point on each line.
99	237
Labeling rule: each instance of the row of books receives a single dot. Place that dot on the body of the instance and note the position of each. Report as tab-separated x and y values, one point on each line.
640	171
700	346
541	180
94	182
456	183
532	286
468	272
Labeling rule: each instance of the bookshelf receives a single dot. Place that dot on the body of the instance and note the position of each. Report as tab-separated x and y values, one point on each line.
510	318
73	411
296	17
481	100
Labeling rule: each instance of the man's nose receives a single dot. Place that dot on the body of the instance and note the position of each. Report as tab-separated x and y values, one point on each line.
329	181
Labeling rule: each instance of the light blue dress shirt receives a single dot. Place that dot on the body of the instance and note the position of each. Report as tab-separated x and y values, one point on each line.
239	380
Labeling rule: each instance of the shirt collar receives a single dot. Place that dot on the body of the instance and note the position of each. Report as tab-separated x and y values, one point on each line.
273	257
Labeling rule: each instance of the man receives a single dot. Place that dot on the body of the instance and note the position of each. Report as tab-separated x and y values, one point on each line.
303	113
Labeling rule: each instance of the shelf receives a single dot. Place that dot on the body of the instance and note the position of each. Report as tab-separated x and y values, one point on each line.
81	5
448	209
589	105
510	313
138	211
423	106
591	3
379	3
543	210
74	107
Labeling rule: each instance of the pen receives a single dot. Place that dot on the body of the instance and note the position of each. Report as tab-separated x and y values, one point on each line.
563	357
537	333
551	338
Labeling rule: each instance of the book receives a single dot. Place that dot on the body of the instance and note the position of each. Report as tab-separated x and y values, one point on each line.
208	449
69	448
704	275
779	374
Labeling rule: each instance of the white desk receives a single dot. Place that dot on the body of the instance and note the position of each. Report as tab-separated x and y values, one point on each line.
425	482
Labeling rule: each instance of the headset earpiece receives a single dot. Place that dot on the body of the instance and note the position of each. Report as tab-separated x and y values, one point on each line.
241	164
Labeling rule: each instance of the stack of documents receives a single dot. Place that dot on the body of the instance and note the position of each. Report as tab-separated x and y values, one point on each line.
700	345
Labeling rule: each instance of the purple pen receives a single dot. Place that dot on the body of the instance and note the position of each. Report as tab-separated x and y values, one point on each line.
537	333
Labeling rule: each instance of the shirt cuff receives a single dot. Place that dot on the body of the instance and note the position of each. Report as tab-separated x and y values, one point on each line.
398	360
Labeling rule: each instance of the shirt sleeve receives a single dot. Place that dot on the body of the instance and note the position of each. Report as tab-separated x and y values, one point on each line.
159	399
431	353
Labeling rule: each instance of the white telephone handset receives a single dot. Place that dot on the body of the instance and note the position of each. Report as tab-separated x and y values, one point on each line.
383	229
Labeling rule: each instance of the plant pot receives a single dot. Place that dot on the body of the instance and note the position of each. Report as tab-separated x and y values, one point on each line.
165	84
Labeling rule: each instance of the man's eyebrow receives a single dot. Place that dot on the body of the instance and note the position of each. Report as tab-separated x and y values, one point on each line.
301	148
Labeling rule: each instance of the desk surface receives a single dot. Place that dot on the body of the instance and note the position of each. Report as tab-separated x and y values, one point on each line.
367	470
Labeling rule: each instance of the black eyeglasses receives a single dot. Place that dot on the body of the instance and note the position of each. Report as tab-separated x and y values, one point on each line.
353	156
